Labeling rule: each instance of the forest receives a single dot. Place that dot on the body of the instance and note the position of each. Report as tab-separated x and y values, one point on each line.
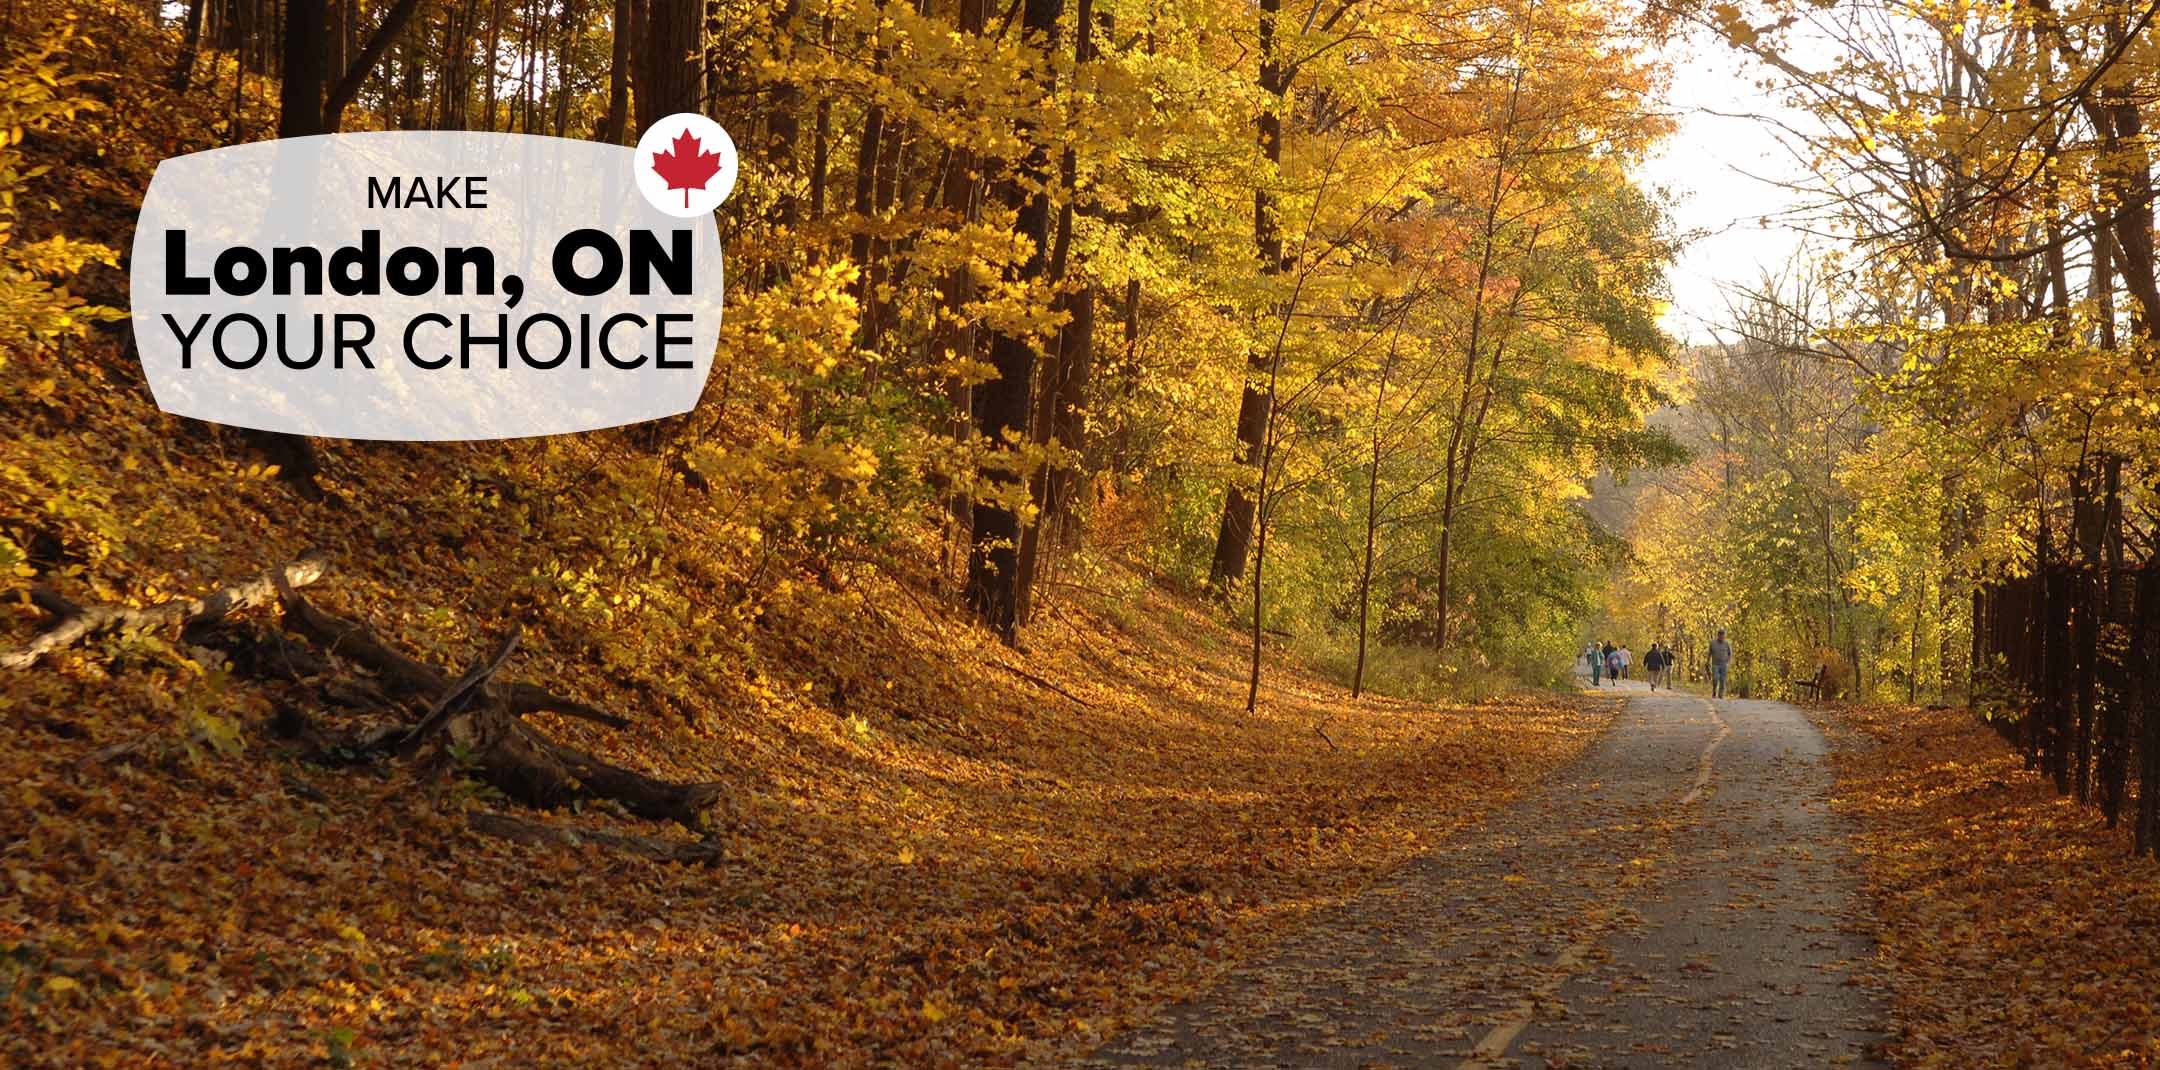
1131	560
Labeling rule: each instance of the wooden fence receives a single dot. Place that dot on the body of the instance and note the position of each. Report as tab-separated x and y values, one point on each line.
2064	666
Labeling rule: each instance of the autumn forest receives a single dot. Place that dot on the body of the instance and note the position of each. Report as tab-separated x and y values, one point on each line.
1218	534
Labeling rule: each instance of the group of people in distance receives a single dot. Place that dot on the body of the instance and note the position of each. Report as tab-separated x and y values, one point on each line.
1607	662
1616	663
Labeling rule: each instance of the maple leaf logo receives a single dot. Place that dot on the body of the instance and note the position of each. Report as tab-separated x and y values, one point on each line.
686	165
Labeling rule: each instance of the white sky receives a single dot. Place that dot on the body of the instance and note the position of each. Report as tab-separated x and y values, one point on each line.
1707	167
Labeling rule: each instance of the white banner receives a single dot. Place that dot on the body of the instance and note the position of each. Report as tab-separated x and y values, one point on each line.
426	286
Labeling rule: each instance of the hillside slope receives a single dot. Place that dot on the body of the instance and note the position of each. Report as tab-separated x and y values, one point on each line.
927	852
908	844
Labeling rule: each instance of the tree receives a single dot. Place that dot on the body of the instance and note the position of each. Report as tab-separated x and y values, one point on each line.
993	563
669	65
300	91
1234	541
363	66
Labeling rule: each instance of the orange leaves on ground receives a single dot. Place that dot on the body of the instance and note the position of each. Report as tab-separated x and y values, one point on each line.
931	860
2016	930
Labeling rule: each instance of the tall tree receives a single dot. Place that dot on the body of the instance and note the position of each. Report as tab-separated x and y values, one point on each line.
1065	367
993	562
1233	540
300	91
670	61
300	114
191	42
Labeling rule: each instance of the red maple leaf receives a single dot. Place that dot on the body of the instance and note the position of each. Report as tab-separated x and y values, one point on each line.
686	166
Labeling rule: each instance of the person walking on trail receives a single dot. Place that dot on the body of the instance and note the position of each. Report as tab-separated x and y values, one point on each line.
1720	663
1596	658
1627	661
1612	664
1653	661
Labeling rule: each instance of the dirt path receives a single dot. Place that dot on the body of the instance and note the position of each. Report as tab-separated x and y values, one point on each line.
1677	898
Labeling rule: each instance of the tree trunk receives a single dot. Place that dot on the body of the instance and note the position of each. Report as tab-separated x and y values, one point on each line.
615	123
821	144
1463	437
184	68
494	44
887	261
1441	594
338	36
300	101
1372	520
408	93
1059	421
859	245
1233	540
2129	184
820	158
300	114
521	113
245	31
953	341
233	25
783	131
1078	358
379	42
1073	340
445	74
235	119
670	65
993	561
564	68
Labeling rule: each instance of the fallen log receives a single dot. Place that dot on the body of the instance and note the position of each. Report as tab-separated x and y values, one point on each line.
483	718
528	698
469	689
402	676
658	800
405	676
72	623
